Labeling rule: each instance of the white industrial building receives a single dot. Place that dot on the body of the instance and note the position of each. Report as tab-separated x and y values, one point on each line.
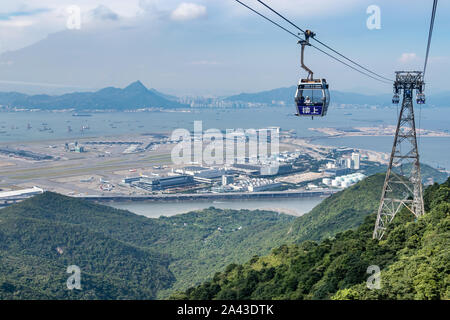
344	181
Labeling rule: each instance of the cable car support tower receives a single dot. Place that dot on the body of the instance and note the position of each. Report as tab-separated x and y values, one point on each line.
403	187
403	184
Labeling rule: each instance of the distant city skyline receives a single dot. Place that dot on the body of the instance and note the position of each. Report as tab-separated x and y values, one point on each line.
211	47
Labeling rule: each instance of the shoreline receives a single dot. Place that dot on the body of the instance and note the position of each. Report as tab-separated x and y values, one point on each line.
212	196
387	131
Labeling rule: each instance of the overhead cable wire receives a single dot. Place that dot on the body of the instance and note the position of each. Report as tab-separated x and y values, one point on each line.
298	37
430	33
260	14
326	46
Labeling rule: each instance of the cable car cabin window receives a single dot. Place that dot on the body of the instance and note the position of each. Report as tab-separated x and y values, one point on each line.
312	99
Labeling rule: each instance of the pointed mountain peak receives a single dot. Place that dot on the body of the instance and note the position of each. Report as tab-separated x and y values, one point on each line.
136	86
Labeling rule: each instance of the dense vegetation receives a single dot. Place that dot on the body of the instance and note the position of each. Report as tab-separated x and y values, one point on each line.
427	172
35	251
197	260
126	256
414	259
344	210
122	255
205	242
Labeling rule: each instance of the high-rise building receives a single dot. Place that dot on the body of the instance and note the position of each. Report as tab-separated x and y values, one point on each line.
356	157
348	163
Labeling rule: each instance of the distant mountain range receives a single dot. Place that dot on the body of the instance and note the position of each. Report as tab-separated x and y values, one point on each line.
134	96
137	96
286	95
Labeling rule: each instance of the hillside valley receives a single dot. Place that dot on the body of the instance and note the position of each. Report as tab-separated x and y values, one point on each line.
126	256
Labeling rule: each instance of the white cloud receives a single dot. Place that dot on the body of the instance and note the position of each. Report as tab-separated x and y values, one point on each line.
42	18
188	11
49	16
407	57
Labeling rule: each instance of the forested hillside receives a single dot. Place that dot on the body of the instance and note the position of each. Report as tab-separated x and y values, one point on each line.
126	256
414	259
120	254
35	251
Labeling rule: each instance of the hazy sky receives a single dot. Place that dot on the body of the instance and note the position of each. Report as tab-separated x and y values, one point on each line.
212	47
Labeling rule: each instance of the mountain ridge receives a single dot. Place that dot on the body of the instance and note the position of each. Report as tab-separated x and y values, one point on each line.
134	96
286	96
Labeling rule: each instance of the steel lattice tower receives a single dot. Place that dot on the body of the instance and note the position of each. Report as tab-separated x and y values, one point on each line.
403	188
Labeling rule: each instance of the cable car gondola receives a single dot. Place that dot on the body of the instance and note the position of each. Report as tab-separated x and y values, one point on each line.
312	96
396	96
396	99
420	98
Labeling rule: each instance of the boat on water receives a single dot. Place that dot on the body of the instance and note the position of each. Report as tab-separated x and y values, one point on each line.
45	128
